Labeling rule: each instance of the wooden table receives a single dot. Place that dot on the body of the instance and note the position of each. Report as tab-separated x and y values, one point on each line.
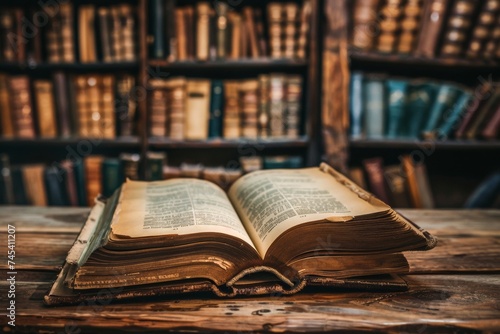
454	288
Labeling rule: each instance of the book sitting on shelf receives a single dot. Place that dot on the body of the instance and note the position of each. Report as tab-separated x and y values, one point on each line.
265	235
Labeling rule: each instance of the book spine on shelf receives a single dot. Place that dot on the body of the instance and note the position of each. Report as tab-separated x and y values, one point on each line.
420	98
157	17
56	195
7	194
22	106
483	30
170	30
263	115
412	14
397	91
356	105
33	178
70	184
451	120
374	106
249	108
374	168
275	20
127	31
7	118
277	105
445	98
176	107
111	176
158	108
18	184
202	30
7	28
290	36
45	106
389	25
197	109
216	109
231	110
365	24
396	185
67	33
457	27
293	95
431	26
222	29
93	177
303	35
105	30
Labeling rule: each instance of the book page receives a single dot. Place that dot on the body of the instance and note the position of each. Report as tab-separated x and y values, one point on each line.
177	206
273	201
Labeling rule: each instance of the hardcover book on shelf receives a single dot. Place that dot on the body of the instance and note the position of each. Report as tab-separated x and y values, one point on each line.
238	244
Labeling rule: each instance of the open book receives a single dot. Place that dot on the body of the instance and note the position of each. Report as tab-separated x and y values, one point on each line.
274	231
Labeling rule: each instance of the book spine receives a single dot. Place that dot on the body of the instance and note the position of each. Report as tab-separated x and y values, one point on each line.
222	29
277	105
127	32
82	105
104	25
481	98
20	41
420	99
260	33
7	25
356	105
412	14
249	108
458	25
397	91
157	108
177	108
451	121
7	118
45	105
157	17
432	23
492	128
292	109
7	195
305	19
202	30
107	107
389	25
275	19
483	116
111	176
93	178
375	172
94	114
248	18
263	113
411	182
216	105
67	34
231	110
445	98
21	106
79	170
364	18
154	165
181	33
374	106
130	166
83	47
18	184
394	177
197	109
67	170
33	178
483	30
235	19
170	30
56	195
290	35
115	37
126	105
53	43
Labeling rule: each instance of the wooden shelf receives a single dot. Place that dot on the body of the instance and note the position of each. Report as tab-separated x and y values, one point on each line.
76	67
374	58
249	63
415	144
166	143
119	142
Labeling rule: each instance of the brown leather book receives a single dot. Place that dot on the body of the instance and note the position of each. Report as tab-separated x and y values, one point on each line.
493	41
6	116
105	29
82	103
290	26
62	104
130	165
107	107
275	17
116	34
191	31
176	107
277	105
482	32
483	116
365	24
70	182
293	96
457	28
484	93
197	109
412	183
431	27
263	113
34	49
180	29
374	169
259	31
222	35
46	109
67	48
235	46
231	115
424	186
8	28
412	13
158	105
491	131
87	45
53	36
249	108
127	32
396	185
126	105
20	36
303	35
94	112
93	177
244	40
22	107
389	24
248	18
34	184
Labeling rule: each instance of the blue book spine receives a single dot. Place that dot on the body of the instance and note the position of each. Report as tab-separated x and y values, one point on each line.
216	107
374	106
445	99
420	99
157	6
397	92
451	120
356	105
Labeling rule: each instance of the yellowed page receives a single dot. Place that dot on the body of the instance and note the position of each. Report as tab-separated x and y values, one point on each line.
178	206
273	201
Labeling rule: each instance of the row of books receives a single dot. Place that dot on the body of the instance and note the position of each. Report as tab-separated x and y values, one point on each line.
428	28
47	33
209	31
197	109
403	185
391	108
77	182
98	106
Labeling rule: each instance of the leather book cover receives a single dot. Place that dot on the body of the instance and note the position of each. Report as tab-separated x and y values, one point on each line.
290	37
170	30
20	40
154	166
491	131
421	96
397	92
431	26
263	112
249	108
53	30
67	47
105	34
87	34
33	177
34	53
277	105
396	184
446	97
483	116
412	14
356	105
176	107
126	32
94	112
115	37
231	115
112	177
411	182
374	168
62	104
157	21
424	186
191	23
79	170
275	20
130	165
374	107
293	96
125	106
485	93
7	27
222	35
260	32
158	112
389	24
483	32
7	117
107	106
197	109
56	195
216	109
93	177
82	104
365	24
46	109
235	43
22	106
457	28
181	33
452	119
304	27
7	195
248	18
69	179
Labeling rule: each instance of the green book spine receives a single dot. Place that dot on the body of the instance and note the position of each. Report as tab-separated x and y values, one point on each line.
356	105
374	106
216	102
445	99
420	98
451	120
396	101
154	168
111	176
80	182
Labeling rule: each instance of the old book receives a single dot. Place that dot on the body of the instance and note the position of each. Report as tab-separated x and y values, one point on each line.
485	194
170	30
20	40
7	118
412	13
282	161
365	24
275	17
156	29
453	117
79	170
191	170
260	32
197	109
216	109
483	116
20	197
125	105
421	95
290	26
222	35
236	40
483	31
491	130
7	194
395	179
237	242
67	171
56	194
249	108
112	176
67	33
457	28
431	26
154	165
130	165
389	24
484	94
411	182
52	36
127	32
424	186
94	114
35	186
107	107
218	176
86	19
8	32
62	104
277	105
445	99
22	107
46	109
105	30
82	105
191	22
356	105
171	172
176	107
374	168
231	116
293	97
115	35
374	107
396	102
263	112
251	164
202	30
93	177
181	33
304	27
248	19
158	108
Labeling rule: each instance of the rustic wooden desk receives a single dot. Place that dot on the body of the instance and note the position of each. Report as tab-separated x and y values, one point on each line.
455	288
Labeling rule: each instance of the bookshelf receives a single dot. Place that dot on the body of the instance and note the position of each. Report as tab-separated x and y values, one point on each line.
455	166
